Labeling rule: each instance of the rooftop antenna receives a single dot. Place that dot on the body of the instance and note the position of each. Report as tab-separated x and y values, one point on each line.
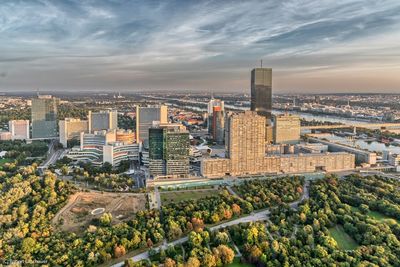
261	63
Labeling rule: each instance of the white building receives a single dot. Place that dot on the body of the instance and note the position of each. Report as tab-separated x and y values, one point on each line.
19	129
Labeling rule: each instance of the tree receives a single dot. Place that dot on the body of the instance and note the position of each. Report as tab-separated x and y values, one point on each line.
105	219
193	262
227	255
169	263
28	245
119	251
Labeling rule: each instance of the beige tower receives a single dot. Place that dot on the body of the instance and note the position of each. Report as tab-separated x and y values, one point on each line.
245	142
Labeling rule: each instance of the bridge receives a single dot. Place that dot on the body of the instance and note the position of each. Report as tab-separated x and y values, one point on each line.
381	126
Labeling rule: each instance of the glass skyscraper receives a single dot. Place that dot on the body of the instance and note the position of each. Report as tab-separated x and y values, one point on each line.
261	92
44	117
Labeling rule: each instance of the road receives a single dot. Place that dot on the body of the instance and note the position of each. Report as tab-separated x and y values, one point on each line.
254	217
52	155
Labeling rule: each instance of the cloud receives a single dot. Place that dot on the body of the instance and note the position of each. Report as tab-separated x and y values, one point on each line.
196	44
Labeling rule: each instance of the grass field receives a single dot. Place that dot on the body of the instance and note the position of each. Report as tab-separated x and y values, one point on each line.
376	215
237	263
344	241
176	196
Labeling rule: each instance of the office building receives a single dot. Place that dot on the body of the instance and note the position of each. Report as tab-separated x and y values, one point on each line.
44	117
169	151
102	146
19	129
213	103
286	129
261	92
218	125
103	120
71	128
145	116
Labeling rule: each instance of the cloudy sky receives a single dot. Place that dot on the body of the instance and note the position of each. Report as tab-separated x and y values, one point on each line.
312	46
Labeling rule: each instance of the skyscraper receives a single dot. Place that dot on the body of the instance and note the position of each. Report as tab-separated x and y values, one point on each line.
261	92
145	116
244	141
169	150
210	109
218	125
44	117
103	120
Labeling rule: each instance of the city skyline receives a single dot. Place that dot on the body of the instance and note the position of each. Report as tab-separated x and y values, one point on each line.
347	46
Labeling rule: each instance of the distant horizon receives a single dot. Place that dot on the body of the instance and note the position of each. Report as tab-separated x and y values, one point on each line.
311	46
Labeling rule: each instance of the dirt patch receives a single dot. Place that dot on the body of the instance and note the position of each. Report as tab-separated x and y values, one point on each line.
76	215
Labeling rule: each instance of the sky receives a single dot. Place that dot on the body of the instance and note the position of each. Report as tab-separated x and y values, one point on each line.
321	46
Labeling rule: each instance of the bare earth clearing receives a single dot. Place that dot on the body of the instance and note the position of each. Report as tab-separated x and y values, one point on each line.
76	215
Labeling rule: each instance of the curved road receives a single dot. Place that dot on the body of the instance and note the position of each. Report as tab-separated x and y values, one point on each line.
254	217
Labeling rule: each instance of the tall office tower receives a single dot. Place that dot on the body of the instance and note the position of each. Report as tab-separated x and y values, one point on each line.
169	150
218	125
19	129
71	128
103	120
145	116
261	92
44	117
245	142
210	109
286	129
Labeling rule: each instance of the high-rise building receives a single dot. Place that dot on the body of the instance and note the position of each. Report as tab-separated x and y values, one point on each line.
210	110
103	120
218	125
169	147
261	92
286	129
19	129
145	116
44	117
245	141
71	128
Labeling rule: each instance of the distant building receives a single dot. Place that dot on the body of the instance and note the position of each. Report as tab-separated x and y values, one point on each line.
145	116
44	117
286	129
261	92
169	151
71	128
103	120
218	125
19	129
213	103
